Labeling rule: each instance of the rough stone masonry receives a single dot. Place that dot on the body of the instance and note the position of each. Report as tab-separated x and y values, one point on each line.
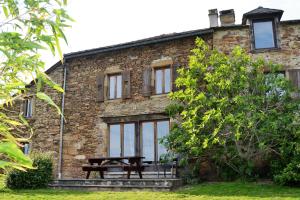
85	130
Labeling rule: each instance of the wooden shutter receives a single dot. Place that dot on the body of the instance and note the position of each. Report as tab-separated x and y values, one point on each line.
126	84
147	82
294	76
100	87
175	67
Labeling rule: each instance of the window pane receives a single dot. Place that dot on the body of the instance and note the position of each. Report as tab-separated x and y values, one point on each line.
119	86
112	86
158	81
148	141
162	130
167	80
26	149
29	107
275	88
129	138
263	34
115	141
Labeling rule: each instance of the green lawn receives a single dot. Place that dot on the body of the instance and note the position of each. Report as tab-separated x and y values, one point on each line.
210	191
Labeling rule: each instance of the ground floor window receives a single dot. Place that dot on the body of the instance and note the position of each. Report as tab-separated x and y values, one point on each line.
138	138
122	139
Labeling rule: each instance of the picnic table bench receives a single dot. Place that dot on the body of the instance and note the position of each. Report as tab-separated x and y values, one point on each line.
104	163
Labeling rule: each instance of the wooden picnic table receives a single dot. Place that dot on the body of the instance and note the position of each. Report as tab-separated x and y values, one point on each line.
102	164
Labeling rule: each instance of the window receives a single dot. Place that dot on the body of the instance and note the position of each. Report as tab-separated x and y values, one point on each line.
115	86
26	148
122	139
125	139
162	80
264	34
275	88
27	112
152	133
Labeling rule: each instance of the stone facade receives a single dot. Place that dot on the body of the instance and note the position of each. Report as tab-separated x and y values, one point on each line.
85	130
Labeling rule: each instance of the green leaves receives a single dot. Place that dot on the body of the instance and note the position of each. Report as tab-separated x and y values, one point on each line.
13	153
48	100
28	27
229	105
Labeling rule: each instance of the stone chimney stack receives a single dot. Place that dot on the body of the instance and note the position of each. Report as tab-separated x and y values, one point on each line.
227	17
213	18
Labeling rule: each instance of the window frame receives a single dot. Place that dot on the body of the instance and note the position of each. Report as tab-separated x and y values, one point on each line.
156	159
163	86
116	86
26	103
275	36
122	124
138	136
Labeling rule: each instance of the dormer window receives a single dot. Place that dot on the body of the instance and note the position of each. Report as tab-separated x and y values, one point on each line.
263	28
264	34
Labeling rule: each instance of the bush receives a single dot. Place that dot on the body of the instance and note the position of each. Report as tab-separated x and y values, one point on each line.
32	178
290	175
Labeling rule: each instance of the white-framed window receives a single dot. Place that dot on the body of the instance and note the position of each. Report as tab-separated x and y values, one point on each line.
115	86
27	107
264	34
162	78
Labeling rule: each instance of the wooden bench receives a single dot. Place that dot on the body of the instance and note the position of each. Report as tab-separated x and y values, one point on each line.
90	168
130	168
104	163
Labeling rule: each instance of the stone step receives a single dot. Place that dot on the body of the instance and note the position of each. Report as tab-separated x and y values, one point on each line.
148	175
117	184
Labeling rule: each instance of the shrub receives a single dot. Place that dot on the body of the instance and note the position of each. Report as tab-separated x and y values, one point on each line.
290	175
32	178
227	105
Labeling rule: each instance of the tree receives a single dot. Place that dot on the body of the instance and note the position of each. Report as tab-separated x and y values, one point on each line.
232	110
27	26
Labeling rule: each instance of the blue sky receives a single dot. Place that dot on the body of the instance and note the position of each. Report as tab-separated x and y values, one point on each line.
106	22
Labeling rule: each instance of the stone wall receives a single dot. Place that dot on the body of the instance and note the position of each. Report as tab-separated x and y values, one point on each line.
85	132
288	54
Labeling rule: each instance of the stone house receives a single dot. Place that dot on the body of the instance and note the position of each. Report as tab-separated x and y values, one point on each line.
115	96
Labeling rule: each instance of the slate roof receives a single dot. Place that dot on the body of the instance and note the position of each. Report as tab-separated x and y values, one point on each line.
146	41
260	12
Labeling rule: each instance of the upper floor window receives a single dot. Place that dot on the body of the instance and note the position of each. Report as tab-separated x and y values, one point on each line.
162	80
27	108
115	86
264	34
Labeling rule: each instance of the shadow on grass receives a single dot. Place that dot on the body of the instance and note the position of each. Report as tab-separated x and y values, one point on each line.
235	189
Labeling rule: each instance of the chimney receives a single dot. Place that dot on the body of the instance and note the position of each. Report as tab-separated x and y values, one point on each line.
227	17
213	18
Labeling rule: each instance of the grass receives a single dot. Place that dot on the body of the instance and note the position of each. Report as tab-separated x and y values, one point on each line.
209	191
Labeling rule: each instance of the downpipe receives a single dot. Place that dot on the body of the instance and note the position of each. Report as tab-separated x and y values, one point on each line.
62	121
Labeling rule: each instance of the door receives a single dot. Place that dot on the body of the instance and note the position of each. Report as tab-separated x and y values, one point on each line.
151	133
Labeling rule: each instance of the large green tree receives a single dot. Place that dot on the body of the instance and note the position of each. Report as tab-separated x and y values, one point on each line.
27	26
234	112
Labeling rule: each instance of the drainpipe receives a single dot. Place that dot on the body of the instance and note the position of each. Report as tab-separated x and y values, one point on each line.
62	121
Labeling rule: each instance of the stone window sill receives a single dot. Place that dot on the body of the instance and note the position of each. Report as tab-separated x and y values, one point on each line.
159	96
113	101
275	49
